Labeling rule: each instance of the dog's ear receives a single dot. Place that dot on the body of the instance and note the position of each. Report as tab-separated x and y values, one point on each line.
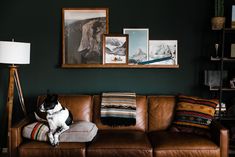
54	97
51	98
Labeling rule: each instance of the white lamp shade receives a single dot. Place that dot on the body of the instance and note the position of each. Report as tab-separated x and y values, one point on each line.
14	52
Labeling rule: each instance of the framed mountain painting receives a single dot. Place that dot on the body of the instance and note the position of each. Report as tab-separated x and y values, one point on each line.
82	31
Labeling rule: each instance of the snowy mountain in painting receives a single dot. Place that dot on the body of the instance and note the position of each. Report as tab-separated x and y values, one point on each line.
139	56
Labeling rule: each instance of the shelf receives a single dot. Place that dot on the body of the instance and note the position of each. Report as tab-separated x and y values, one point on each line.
224	59
223	89
228	118
227	30
119	66
224	37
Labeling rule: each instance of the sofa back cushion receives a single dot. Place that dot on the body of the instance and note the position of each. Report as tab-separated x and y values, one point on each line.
141	115
161	112
80	106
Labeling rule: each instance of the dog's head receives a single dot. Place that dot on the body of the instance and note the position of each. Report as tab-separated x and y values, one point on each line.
50	103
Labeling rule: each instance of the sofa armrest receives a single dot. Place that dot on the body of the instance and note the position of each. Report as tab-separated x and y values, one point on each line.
221	136
16	135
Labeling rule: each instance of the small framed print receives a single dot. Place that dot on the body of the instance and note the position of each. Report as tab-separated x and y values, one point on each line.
138	44
163	52
115	49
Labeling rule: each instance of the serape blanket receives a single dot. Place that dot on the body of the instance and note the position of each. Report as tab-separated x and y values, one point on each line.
118	109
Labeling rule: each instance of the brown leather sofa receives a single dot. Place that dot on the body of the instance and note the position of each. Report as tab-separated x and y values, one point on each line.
148	138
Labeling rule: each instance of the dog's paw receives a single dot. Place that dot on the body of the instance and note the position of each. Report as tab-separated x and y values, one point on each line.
52	142
56	143
51	139
56	140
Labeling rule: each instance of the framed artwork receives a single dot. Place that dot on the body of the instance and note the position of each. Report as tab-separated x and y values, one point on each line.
138	44
233	16
115	49
163	52
82	30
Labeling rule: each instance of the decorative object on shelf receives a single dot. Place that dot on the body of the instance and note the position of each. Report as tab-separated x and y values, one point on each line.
233	16
138	44
163	52
115	49
218	21
82	32
216	50
222	110
13	53
232	83
212	77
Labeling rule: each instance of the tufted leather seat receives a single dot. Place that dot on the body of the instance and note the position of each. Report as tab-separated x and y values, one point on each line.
120	143
171	144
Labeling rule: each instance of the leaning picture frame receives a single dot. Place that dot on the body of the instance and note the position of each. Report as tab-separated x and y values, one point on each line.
233	17
115	49
138	44
82	32
163	52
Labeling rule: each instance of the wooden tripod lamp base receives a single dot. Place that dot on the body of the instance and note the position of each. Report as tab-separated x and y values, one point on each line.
13	80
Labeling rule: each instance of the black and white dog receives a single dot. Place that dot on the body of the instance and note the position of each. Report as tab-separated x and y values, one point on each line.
58	117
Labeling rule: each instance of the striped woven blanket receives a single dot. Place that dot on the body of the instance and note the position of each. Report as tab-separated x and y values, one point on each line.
118	109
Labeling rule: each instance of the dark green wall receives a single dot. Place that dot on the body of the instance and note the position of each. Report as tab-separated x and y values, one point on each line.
39	22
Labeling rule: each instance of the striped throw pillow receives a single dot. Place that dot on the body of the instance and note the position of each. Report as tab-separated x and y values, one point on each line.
36	131
194	111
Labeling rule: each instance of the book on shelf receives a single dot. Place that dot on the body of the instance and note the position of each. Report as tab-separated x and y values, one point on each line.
222	109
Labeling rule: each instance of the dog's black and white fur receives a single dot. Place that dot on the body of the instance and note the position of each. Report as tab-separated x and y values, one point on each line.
58	117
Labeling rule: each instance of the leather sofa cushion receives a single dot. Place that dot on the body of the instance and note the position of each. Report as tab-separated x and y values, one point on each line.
172	144
161	112
43	149
109	143
80	106
141	115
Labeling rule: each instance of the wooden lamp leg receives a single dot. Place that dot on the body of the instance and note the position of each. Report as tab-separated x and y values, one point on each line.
20	93
9	106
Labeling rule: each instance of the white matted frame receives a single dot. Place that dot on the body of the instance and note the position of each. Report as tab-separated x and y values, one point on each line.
115	49
163	52
82	31
138	44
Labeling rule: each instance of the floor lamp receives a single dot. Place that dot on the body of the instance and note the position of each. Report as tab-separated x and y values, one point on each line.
13	53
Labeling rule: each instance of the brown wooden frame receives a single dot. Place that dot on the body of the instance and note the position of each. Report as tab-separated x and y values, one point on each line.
104	48
72	59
